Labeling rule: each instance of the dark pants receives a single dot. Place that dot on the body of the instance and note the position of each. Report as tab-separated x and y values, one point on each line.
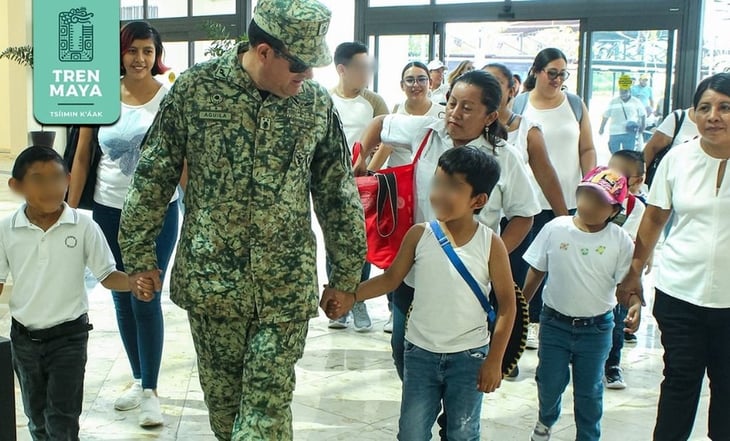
140	323
614	357
695	340
51	377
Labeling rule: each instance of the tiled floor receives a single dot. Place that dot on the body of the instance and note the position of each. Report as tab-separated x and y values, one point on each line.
347	388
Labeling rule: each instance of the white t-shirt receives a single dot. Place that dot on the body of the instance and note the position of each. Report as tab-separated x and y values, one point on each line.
687	132
630	222
356	113
513	192
446	315
619	113
583	268
403	156
562	136
120	146
695	263
48	266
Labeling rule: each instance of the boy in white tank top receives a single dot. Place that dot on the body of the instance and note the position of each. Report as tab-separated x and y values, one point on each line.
450	357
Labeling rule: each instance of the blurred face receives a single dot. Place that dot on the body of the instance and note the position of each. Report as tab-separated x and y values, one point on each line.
592	208
357	72
507	92
437	77
631	170
712	116
276	72
451	196
43	187
552	77
643	82
415	83
625	95
466	116
139	59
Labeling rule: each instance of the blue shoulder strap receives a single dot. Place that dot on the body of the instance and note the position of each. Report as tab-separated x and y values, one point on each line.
461	268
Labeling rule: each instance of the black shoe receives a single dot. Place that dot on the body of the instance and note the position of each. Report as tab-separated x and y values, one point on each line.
614	379
630	339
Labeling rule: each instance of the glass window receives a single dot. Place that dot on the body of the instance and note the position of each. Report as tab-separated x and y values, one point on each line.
341	29
395	51
167	8
199	49
131	10
175	56
379	3
214	7
715	55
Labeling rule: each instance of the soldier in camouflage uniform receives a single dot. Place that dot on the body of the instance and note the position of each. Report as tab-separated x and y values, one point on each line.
259	137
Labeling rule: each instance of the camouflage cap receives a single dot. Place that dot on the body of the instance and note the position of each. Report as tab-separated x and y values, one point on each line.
300	24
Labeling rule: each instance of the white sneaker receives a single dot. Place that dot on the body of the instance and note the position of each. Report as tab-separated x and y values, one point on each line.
533	336
340	323
150	414
131	398
388	327
361	318
541	432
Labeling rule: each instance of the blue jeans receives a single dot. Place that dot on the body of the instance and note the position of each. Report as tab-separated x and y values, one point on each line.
622	141
51	377
586	348
431	378
140	323
614	356
402	299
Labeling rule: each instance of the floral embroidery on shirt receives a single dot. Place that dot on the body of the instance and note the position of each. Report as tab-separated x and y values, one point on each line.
564	246
601	249
584	251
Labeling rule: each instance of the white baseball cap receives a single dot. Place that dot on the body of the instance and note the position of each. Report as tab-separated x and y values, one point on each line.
435	64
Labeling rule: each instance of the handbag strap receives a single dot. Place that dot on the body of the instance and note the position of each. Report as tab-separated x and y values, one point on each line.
387	198
423	145
461	268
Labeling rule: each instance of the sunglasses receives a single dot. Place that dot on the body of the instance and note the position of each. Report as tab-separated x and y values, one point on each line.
295	64
554	74
410	81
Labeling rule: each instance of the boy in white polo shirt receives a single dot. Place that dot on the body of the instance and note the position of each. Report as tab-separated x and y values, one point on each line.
47	245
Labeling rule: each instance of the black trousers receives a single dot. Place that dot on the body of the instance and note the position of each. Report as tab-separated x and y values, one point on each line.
695	341
51	376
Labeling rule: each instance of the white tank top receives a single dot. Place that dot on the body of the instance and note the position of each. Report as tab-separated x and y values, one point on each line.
562	135
446	315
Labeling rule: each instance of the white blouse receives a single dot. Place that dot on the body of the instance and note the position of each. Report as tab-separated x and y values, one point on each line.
695	262
513	194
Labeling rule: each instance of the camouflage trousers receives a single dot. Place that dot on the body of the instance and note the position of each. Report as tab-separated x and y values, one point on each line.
246	371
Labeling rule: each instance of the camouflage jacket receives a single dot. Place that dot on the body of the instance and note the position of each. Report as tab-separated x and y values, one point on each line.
246	243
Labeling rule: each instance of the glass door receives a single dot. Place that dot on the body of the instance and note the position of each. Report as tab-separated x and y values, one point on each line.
624	67
392	53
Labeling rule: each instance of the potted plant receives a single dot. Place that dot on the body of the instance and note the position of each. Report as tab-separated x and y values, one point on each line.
221	38
23	55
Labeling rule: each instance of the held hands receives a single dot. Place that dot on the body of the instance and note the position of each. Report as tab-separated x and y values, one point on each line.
631	285
145	285
490	375
336	303
633	317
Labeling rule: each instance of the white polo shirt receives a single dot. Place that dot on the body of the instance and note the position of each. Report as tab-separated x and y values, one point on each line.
695	264
512	195
48	266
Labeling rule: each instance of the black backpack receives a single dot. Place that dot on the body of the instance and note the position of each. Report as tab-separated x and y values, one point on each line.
72	140
652	167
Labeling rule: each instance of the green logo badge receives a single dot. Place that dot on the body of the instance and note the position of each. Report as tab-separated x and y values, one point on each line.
76	69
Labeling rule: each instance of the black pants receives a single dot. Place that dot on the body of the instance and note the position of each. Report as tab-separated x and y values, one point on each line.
695	340
51	376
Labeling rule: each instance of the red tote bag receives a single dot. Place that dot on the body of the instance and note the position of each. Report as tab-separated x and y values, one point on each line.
388	200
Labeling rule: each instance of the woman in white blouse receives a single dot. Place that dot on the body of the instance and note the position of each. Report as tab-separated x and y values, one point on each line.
470	118
692	304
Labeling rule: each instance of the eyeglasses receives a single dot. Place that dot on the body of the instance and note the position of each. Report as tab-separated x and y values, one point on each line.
295	64
410	81
554	74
